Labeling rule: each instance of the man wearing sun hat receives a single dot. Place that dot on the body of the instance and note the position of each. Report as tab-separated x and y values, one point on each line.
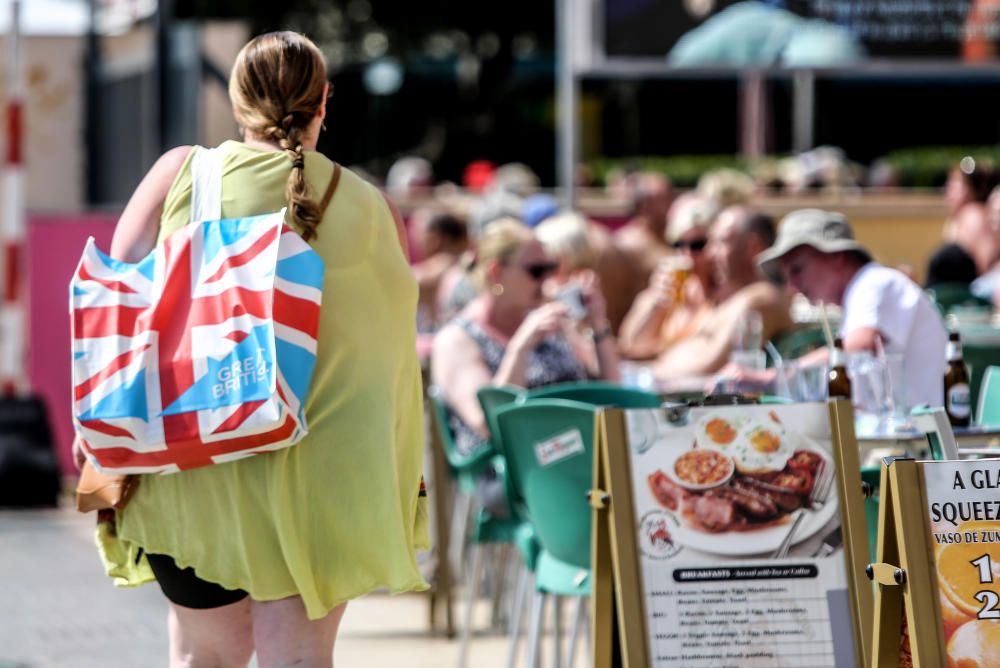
816	254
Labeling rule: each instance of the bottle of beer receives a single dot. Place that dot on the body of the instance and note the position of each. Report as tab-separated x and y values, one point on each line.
839	384
956	385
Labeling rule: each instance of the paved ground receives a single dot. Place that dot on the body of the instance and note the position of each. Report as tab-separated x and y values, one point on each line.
58	610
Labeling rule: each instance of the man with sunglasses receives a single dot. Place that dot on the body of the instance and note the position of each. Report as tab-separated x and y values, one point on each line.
742	294
681	289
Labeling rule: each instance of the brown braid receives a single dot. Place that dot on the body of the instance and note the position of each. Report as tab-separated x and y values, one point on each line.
276	88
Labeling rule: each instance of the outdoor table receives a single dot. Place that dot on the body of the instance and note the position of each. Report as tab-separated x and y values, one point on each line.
976	439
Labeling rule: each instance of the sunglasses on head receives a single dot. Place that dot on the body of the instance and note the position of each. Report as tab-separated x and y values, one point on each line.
539	270
695	246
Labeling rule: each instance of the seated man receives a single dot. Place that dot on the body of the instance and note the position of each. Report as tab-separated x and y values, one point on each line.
744	297
817	255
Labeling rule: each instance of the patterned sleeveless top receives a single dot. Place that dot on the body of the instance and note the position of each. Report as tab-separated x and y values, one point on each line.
552	361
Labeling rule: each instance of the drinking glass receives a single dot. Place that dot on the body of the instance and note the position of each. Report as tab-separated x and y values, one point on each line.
811	382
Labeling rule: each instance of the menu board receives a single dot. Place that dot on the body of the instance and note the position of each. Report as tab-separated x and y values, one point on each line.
963	506
740	553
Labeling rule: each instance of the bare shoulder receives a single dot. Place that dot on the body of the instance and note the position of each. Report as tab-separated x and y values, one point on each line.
761	294
451	339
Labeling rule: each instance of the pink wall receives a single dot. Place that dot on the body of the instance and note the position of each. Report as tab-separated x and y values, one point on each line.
54	246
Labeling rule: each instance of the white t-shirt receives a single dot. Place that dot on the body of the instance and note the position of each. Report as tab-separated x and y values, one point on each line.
886	300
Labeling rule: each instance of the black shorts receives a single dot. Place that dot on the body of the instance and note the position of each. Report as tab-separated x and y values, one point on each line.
182	587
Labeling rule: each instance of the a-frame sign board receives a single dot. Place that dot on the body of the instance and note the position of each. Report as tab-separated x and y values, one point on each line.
938	560
642	559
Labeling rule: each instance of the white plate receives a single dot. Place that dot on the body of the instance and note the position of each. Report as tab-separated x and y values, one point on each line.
760	541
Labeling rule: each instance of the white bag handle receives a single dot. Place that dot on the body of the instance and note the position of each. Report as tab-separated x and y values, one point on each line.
206	183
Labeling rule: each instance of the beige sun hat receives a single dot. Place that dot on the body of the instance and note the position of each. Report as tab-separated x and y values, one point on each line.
826	231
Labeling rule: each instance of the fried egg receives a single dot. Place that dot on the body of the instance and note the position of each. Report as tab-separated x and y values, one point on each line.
761	446
717	433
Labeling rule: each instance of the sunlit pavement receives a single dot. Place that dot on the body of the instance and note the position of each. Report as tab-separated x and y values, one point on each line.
58	609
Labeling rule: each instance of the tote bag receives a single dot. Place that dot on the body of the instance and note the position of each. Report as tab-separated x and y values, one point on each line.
202	352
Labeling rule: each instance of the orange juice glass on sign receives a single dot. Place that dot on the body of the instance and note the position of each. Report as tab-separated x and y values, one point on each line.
680	267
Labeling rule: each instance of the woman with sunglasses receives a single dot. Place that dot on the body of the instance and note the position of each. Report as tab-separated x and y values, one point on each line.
681	290
509	334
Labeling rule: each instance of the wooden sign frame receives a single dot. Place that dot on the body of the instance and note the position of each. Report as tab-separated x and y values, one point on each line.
615	555
903	570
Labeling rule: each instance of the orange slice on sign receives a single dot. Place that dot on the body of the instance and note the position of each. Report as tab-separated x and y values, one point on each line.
958	577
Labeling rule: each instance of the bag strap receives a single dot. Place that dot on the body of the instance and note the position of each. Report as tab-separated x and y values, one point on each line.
330	189
206	183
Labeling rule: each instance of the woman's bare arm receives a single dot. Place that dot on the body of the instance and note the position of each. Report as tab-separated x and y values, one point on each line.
139	224
457	367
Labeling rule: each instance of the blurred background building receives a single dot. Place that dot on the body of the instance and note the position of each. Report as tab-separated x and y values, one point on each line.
111	83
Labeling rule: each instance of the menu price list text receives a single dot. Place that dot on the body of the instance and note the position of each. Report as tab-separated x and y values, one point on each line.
767	615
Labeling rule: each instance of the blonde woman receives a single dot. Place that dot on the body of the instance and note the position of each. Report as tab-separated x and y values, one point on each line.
566	237
262	554
509	334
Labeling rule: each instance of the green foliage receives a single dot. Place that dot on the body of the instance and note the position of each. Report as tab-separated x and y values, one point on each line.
683	170
928	166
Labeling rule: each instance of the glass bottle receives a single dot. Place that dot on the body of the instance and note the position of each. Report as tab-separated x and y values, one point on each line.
956	385
839	383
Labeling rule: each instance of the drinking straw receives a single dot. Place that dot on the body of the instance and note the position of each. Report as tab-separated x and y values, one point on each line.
827	332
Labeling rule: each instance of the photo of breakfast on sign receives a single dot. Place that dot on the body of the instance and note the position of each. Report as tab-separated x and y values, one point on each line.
736	482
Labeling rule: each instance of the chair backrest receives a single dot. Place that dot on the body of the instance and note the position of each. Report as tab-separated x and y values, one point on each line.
988	408
492	397
947	296
934	423
598	393
439	414
550	454
798	342
979	355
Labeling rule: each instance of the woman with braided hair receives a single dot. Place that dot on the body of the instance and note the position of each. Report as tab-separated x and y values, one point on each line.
262	554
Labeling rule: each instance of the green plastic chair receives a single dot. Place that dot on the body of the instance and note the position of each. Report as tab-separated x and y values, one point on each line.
597	393
979	357
464	467
549	446
947	296
797	342
486	529
988	408
492	397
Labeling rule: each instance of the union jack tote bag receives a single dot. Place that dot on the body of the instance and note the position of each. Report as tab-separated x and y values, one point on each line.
203	351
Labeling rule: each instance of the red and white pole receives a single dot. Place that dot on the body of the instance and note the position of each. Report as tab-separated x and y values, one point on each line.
13	376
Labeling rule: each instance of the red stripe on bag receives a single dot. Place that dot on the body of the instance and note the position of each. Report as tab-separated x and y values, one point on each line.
106	321
117	364
246	256
192	452
300	314
239	416
117	286
105	428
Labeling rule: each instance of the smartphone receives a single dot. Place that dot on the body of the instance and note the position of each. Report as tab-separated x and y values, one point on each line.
572	297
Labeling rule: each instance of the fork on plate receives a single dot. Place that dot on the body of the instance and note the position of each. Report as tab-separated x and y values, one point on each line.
819	495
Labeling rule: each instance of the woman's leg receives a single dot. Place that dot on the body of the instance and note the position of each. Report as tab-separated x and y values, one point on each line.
213	638
285	636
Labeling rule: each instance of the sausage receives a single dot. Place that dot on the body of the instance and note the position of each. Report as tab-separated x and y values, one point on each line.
754	505
785	501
